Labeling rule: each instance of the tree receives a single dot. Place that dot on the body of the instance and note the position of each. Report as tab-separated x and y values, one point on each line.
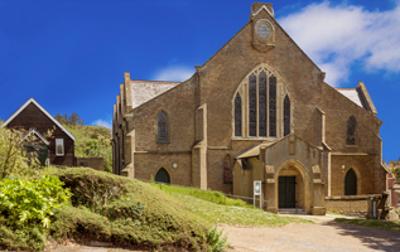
75	119
13	157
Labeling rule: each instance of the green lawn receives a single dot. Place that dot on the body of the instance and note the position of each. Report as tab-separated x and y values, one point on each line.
215	208
386	225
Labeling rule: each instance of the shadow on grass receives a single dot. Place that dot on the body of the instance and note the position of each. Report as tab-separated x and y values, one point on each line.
382	236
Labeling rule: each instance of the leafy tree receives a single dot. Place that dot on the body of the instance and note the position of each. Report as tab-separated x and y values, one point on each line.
14	160
73	119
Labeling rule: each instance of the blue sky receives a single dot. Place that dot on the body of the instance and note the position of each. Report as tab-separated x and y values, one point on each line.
70	55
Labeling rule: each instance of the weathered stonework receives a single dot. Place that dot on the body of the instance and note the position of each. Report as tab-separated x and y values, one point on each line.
201	124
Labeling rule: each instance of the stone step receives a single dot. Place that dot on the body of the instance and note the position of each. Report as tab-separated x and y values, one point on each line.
291	211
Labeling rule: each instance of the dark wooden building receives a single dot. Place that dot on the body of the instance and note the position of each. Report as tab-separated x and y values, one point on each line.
56	148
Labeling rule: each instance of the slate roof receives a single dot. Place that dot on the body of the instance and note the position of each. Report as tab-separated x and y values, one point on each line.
144	90
352	94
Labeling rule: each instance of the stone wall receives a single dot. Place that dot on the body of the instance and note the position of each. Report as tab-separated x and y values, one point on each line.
348	205
94	162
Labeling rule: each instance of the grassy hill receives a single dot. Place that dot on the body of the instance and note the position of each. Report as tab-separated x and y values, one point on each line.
131	213
92	141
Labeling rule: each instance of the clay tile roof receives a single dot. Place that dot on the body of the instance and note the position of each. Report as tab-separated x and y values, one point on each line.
143	90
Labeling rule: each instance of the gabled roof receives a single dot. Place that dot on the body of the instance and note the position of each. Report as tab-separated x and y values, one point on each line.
352	94
144	90
360	96
32	101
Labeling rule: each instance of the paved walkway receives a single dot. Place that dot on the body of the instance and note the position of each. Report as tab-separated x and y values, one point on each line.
325	235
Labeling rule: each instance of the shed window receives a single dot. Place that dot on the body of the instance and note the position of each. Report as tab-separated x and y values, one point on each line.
59	147
162	125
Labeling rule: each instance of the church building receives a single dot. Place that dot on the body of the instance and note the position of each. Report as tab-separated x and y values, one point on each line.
257	110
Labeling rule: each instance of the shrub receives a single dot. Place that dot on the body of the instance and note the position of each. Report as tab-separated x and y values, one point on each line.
125	212
26	209
92	141
216	241
13	158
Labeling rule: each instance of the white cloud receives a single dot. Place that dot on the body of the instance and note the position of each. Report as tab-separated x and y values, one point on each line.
336	36
102	123
174	73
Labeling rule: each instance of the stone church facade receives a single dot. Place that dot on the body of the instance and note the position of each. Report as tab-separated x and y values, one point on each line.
259	109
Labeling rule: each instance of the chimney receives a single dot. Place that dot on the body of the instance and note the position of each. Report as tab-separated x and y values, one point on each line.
257	7
127	77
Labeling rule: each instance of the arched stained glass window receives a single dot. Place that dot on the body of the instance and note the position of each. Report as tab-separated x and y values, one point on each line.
351	131
350	183
162	176
272	106
252	105
286	116
262	104
162	125
238	115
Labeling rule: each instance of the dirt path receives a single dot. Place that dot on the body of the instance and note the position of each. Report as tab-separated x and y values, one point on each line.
325	235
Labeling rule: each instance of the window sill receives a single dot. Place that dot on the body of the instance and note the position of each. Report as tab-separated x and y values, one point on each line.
254	138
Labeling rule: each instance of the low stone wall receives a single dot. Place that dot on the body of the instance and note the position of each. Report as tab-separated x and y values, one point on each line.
95	163
356	205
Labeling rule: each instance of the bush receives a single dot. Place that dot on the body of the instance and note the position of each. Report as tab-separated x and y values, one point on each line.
13	158
127	213
92	141
27	207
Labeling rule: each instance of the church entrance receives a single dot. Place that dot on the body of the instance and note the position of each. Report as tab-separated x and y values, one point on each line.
287	192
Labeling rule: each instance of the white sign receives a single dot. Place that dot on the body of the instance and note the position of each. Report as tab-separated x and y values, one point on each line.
257	187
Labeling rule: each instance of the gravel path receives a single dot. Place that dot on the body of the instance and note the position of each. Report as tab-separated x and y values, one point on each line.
325	235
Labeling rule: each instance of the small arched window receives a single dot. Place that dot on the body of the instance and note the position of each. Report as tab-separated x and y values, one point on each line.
286	116
350	183
238	115
351	131
162	176
252	105
162	128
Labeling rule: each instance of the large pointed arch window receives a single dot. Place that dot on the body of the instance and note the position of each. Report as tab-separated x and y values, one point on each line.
350	183
252	105
162	128
272	106
255	106
262	104
351	131
238	115
286	116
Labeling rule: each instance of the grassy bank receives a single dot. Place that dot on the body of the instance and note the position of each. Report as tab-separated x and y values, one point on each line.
215	208
127	213
386	225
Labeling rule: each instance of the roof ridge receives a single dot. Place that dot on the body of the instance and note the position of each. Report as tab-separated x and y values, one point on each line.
161	81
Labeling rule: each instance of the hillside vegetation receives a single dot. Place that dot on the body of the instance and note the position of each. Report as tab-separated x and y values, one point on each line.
215	208
92	141
127	213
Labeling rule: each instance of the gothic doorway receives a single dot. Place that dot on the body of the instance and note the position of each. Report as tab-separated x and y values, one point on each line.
287	192
162	176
